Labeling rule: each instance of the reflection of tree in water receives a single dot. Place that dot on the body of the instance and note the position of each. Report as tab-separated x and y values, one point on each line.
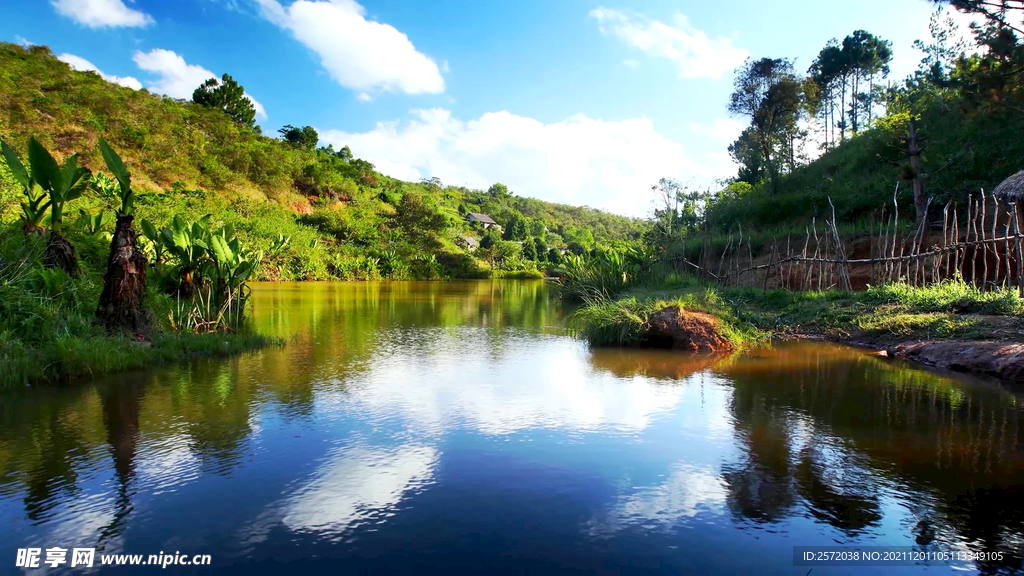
217	411
122	401
761	487
333	328
45	439
58	450
956	445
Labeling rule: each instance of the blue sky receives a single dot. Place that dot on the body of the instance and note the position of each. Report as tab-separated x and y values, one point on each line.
584	102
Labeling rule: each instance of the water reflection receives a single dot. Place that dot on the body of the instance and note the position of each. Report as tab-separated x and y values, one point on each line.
457	426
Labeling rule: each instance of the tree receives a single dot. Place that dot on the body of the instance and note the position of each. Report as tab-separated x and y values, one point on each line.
838	73
830	73
420	219
499	190
122	301
864	55
1001	13
536	227
490	239
529	250
554	256
515	227
345	154
540	248
746	152
768	93
576	248
941	55
305	137
227	95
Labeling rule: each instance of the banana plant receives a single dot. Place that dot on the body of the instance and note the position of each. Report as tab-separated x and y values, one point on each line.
91	224
233	264
33	210
280	243
124	178
156	240
37	202
63	183
189	244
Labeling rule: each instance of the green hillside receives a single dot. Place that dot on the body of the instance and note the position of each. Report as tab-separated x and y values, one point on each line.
345	220
967	102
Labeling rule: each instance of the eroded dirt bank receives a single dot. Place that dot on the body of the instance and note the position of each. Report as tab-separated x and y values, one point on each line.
1003	360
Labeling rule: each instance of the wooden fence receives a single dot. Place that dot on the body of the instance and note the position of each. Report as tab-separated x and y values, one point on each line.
983	248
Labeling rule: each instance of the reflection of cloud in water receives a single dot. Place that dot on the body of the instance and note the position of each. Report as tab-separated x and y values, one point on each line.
352	485
166	464
688	491
83	522
357	484
541	383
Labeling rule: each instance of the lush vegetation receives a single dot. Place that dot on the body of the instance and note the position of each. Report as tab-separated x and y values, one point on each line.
67	311
746	315
840	129
343	218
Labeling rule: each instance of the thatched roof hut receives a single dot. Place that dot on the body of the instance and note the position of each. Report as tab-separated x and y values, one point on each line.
1011	189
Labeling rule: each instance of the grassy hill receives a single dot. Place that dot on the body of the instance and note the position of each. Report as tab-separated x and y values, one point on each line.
345	219
966	149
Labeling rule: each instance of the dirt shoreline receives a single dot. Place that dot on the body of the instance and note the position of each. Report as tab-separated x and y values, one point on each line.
1003	360
995	358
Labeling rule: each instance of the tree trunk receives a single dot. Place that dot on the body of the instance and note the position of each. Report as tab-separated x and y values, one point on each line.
914	149
853	106
842	110
61	254
124	285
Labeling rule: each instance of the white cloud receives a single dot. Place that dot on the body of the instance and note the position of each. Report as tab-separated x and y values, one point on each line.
696	55
359	54
630	63
102	13
177	78
83	65
260	111
364	97
18	38
723	129
580	160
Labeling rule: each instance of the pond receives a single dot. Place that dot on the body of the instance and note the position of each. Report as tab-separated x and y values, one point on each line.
458	427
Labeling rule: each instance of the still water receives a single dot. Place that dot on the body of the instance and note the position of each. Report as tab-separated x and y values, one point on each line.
457	427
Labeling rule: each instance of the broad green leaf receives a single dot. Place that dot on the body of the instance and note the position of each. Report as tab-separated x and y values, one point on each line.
181	236
73	181
45	171
221	251
149	230
17	168
243	271
116	167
